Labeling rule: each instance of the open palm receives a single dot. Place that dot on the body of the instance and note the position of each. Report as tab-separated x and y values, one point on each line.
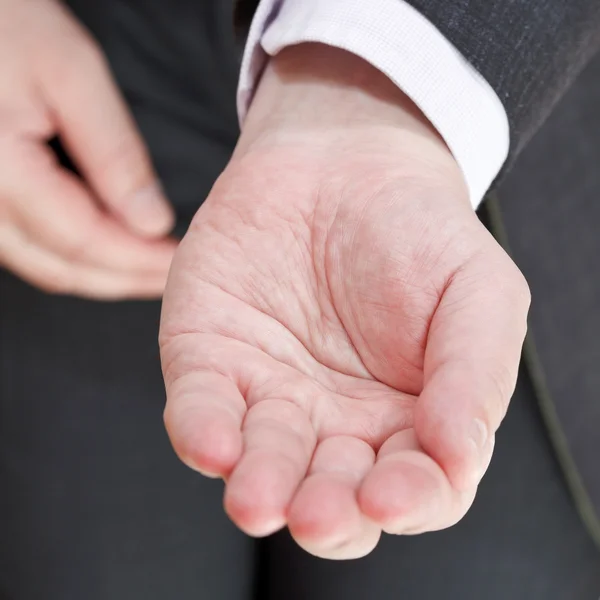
340	343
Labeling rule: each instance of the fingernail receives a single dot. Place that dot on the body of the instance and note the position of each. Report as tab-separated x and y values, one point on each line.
149	211
478	433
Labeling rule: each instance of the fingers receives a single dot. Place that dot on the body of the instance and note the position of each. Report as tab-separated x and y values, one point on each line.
48	272
278	444
54	209
55	234
99	132
324	517
407	492
471	365
203	417
426	478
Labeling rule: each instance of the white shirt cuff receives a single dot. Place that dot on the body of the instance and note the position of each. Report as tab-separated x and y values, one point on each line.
396	39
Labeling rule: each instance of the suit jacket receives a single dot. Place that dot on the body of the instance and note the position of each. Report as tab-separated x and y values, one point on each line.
546	209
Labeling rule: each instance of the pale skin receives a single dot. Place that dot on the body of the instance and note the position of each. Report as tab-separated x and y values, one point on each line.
102	238
340	335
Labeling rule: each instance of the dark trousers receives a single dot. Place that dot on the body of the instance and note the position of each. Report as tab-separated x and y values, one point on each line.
93	503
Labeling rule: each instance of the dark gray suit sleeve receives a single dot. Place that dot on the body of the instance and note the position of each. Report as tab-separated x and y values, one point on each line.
529	51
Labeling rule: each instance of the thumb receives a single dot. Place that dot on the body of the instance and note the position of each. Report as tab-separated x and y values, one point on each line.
471	365
100	134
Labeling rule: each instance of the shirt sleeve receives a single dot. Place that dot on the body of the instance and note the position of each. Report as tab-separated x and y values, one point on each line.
400	42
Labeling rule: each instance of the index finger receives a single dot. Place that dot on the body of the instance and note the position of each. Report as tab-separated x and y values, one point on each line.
53	207
100	133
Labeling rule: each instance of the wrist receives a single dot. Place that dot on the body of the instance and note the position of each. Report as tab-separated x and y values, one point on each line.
315	96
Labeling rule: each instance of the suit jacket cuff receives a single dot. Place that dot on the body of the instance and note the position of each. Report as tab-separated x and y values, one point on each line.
403	44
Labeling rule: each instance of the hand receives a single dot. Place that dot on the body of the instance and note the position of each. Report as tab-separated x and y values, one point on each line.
340	335
100	241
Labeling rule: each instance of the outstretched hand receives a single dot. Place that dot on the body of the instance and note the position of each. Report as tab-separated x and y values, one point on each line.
340	335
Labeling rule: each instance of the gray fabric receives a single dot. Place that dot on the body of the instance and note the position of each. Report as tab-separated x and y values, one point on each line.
550	204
